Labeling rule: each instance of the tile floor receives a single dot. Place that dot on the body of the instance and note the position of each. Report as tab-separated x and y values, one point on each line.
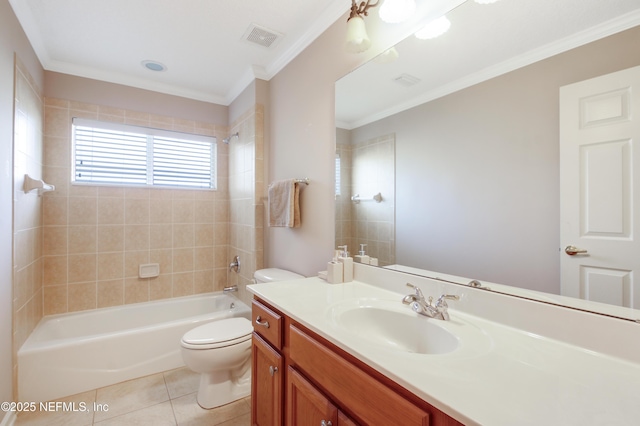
161	399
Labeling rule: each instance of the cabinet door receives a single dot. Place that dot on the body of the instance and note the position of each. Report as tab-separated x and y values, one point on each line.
306	405
266	384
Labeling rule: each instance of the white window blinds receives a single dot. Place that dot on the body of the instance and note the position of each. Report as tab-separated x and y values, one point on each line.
112	153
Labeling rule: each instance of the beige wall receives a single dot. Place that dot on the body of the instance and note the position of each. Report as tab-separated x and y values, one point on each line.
65	86
12	41
246	186
95	237
302	144
27	210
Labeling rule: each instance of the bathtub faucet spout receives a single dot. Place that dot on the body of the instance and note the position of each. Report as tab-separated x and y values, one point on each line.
230	288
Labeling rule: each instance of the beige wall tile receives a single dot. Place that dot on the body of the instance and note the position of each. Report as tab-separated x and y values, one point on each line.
82	239
82	268
110	238
183	235
164	258
203	235
160	236
160	287
82	296
95	238
183	260
136	237
161	210
110	211
110	293
55	270
55	240
203	281
136	211
132	261
55	211
83	211
183	210
57	122
136	290
55	299
182	284
203	258
110	266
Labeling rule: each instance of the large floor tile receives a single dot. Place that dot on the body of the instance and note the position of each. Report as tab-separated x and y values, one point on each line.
181	381
75	410
131	395
189	413
156	415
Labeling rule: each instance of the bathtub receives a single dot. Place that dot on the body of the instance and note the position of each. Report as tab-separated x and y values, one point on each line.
76	352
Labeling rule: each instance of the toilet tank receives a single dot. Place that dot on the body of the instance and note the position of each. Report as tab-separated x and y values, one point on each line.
275	274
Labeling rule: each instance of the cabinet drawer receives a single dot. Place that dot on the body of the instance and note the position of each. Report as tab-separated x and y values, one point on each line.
366	398
267	323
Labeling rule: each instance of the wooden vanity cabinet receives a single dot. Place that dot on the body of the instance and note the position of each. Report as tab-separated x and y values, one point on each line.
267	367
324	385
267	384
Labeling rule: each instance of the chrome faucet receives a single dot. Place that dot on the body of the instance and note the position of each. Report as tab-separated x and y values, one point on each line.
235	265
426	307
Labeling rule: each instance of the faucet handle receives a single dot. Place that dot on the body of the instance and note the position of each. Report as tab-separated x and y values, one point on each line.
442	300
419	294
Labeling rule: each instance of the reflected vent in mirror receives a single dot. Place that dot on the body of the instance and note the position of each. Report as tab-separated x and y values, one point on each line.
407	80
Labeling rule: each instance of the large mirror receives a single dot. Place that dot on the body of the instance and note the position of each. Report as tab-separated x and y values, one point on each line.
471	121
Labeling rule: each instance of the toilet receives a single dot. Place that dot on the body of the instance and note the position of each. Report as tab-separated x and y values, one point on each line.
221	352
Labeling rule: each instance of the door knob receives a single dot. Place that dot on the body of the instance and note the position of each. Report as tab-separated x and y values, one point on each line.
273	370
573	250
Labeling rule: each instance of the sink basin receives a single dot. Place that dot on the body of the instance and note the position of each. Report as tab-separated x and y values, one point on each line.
394	326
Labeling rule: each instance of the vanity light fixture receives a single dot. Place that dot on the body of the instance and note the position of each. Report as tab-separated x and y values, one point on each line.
357	39
434	29
396	11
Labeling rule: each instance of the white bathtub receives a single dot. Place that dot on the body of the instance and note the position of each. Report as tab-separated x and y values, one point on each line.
72	353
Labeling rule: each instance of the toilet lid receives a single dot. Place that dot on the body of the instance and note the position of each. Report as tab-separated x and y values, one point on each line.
222	331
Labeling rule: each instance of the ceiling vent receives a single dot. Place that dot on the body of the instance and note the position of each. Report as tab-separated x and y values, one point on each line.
407	80
261	35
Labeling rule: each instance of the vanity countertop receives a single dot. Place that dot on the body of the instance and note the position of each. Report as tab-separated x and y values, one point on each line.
500	375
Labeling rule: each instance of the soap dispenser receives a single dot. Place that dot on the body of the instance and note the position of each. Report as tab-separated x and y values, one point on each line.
335	270
362	256
347	264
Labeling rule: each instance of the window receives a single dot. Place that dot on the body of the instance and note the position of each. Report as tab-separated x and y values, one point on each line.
112	153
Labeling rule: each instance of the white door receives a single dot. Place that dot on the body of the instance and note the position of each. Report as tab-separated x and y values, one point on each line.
600	188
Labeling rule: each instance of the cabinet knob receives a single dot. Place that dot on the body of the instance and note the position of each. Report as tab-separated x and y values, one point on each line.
260	322
273	370
326	423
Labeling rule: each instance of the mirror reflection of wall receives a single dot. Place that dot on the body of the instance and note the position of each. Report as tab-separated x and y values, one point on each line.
366	168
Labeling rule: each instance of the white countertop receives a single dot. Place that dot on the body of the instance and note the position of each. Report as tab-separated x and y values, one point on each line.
500	375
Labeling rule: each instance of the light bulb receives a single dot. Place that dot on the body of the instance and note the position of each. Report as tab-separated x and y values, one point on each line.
396	11
434	28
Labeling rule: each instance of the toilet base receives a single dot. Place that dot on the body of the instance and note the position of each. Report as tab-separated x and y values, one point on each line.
221	388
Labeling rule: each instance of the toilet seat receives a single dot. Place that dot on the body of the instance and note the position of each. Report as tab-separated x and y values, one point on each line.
218	334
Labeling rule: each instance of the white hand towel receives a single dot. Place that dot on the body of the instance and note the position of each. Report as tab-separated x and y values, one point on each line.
284	204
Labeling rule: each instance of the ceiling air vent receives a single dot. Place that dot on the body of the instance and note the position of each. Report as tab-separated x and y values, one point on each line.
262	36
407	80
